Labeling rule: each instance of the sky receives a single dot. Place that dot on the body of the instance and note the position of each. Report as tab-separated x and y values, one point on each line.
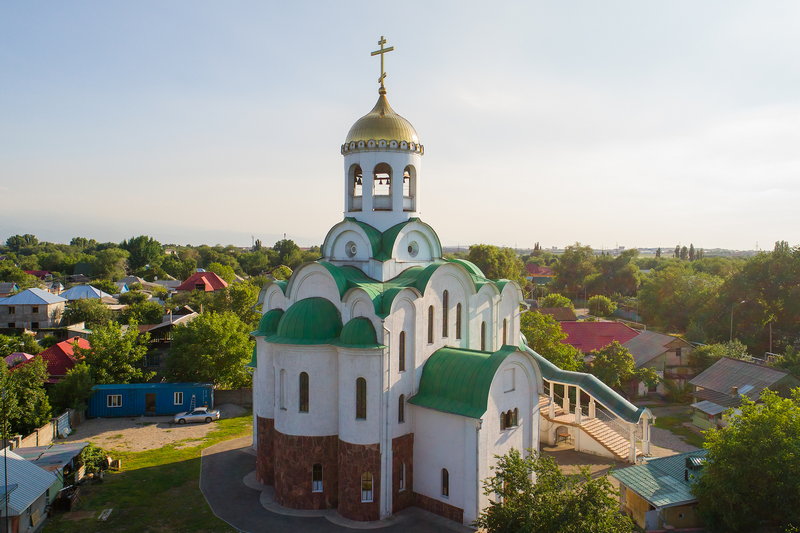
631	123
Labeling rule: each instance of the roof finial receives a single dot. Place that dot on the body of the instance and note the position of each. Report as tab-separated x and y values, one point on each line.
382	51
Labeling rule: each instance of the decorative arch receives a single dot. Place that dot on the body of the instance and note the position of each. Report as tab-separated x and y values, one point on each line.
355	192
382	187
410	188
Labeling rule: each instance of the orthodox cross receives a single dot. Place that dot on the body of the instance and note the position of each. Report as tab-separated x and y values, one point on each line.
381	52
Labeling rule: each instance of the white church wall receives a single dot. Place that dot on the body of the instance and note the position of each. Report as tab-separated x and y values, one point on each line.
350	245
402	382
264	381
459	287
484	311
320	362
354	363
444	440
356	303
509	311
312	280
274	299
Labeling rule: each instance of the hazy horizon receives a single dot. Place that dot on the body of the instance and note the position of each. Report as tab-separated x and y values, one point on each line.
614	123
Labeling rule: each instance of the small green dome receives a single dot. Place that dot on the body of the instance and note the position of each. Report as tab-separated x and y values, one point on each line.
268	324
359	332
309	321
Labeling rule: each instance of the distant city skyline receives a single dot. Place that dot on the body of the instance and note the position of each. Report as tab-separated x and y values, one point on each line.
614	123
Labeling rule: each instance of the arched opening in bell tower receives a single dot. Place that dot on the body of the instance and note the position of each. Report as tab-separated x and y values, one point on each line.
410	188
355	188
382	188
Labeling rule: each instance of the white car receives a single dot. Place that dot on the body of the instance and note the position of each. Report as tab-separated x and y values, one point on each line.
201	414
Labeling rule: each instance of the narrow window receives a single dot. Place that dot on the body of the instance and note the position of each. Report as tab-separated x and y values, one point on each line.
303	392
458	321
401	409
177	398
505	332
445	483
502	421
401	348
483	336
316	478
402	476
516	417
430	325
445	308
282	390
361	399
366	487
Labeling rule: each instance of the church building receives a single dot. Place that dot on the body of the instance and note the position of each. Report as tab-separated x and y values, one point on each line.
385	375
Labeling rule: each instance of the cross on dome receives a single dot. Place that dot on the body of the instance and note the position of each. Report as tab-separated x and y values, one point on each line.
381	52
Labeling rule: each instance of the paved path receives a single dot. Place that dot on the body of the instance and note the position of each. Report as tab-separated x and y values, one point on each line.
223	469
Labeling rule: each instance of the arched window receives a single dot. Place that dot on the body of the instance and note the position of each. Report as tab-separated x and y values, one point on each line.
445	309
401	349
430	325
505	331
366	487
483	336
282	390
316	478
355	182
382	188
409	188
445	482
361	398
303	402
401	476
458	321
502	421
516	417
401	409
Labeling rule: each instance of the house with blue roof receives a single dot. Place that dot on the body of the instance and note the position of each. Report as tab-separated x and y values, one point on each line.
658	493
32	309
82	292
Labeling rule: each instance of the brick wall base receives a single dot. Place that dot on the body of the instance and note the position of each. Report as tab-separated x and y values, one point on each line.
438	507
265	450
294	458
402	453
354	460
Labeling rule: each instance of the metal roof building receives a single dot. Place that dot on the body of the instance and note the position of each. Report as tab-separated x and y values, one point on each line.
33	296
81	292
32	484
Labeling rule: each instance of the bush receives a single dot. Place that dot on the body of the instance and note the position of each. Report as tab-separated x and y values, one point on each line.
556	300
600	305
94	459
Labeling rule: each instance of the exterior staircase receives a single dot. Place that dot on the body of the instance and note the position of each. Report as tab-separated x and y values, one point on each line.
599	431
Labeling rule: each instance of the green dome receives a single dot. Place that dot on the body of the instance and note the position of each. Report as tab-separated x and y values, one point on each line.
359	332
268	324
309	321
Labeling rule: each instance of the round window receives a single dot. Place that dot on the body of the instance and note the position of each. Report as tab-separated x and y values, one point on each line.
413	248
351	249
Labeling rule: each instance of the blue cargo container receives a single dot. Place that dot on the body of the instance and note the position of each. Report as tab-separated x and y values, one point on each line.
137	399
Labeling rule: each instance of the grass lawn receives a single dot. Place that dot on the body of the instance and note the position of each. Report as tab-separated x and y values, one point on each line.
157	490
675	425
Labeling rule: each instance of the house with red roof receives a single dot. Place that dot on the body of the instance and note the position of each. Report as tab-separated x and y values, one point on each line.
59	358
588	336
203	281
540	275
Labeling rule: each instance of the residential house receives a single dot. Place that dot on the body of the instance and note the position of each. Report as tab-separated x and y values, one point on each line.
7	288
29	489
17	357
60	358
55	287
658	493
61	459
588	336
137	399
666	354
81	292
43	275
202	281
78	278
540	275
32	309
722	385
161	337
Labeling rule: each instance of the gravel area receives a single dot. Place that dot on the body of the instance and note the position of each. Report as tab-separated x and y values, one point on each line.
144	432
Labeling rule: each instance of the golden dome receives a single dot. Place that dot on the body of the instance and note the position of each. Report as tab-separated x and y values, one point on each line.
382	123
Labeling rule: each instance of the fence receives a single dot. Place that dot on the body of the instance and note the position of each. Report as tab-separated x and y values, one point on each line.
59	426
240	397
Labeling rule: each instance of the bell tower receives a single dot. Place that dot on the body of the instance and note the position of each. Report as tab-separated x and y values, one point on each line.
382	163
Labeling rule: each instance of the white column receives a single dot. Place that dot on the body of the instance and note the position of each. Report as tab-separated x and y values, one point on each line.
551	409
646	436
397	189
632	434
565	400
592	408
367	189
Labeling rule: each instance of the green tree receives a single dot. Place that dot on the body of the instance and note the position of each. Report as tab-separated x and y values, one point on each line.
531	494
600	305
143	251
18	343
179	268
224	271
106	285
133	297
8	403
544	336
704	356
17	242
615	274
751	479
288	253
11	272
27	385
574	266
239	298
116	355
143	313
613	365
89	310
214	347
671	297
498	263
281	272
74	390
556	300
109	263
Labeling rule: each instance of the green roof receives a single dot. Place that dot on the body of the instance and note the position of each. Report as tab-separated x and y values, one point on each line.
456	380
589	383
309	321
253	359
268	324
662	481
359	333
